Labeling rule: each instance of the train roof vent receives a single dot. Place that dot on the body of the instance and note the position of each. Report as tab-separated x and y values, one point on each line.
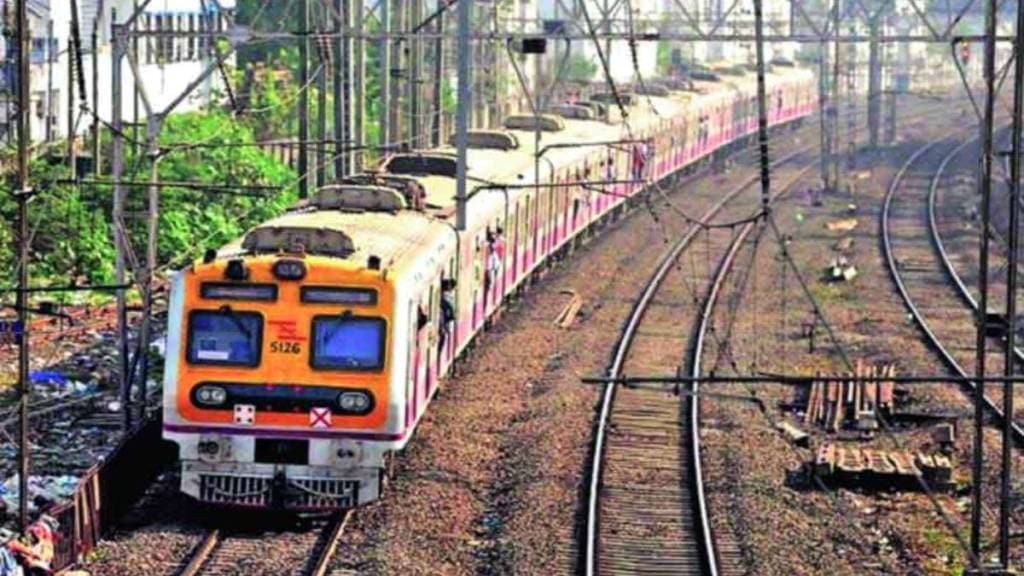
573	111
410	188
598	108
274	239
544	122
607	98
489	140
652	89
431	164
355	197
704	76
729	70
679	83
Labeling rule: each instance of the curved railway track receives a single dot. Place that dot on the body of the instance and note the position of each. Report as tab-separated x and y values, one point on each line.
663	527
227	551
646	509
909	207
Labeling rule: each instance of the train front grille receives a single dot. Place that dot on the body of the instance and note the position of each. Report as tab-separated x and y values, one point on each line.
299	493
235	490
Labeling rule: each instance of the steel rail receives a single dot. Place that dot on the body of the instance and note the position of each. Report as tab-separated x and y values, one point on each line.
950	269
696	354
323	558
321	561
887	248
622	349
201	553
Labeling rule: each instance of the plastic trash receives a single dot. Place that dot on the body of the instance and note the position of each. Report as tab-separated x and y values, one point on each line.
52	489
47	377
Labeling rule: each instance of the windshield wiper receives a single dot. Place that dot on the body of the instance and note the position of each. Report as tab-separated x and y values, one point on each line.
237	321
345	314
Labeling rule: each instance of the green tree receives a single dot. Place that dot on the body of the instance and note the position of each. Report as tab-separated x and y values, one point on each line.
581	69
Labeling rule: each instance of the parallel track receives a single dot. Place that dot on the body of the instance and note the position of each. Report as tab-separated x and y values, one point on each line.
917	204
646	492
668	543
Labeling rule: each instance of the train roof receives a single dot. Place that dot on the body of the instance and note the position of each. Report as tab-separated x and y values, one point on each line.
397	236
390	236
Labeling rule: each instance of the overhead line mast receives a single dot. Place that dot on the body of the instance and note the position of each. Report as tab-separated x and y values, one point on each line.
23	192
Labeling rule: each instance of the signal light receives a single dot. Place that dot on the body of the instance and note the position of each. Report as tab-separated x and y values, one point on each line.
289	269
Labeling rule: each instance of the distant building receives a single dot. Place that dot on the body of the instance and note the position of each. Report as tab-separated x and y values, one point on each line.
166	65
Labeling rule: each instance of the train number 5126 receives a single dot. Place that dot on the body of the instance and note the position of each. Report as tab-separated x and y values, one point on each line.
285	348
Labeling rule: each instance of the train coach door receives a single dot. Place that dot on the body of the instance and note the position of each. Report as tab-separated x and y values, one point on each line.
513	241
420	356
433	364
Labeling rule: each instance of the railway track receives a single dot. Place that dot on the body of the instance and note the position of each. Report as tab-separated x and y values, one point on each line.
662	526
224	552
918	262
646	508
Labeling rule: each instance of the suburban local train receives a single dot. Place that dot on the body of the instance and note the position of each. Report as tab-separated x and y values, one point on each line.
300	356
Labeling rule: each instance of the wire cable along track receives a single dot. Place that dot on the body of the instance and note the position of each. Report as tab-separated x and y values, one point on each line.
646	511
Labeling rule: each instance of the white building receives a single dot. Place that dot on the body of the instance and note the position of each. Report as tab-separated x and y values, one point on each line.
166	65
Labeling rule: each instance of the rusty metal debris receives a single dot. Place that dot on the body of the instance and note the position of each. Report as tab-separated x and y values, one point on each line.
834	405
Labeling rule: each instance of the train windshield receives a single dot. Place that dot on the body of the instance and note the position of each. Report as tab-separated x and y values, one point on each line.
348	343
224	337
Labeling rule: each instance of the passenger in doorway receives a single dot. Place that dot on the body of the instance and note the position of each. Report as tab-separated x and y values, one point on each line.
447	313
499	244
495	257
639	160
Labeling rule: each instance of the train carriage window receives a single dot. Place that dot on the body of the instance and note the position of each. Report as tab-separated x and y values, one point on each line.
348	342
225	337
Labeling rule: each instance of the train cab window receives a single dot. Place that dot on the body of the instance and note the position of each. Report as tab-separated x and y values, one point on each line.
224	337
348	343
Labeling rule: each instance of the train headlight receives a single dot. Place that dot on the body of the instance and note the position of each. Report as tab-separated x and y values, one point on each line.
355	402
208	448
213	448
208	395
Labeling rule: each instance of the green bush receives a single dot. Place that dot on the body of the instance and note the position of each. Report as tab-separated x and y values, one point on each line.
72	239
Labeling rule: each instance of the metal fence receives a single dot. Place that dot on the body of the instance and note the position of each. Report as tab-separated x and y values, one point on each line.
107	490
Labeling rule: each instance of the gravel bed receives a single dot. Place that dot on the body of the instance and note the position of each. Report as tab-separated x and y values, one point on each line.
756	490
491	483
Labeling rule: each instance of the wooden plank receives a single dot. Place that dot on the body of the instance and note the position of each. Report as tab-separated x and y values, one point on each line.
885	397
809	411
871	394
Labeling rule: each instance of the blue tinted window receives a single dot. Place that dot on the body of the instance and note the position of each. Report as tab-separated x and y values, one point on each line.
221	337
348	343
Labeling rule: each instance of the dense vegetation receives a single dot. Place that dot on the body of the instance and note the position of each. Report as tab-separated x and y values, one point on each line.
71	223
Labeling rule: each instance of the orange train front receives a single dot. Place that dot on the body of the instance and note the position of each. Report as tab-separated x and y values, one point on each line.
301	355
